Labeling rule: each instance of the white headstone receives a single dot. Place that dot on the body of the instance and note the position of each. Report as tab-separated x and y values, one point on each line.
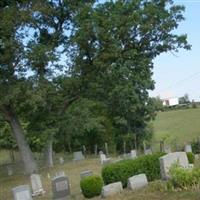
172	158
111	189
104	159
133	154
167	149
61	160
188	148
22	193
137	182
36	184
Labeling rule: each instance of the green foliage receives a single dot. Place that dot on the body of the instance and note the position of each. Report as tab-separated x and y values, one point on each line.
91	186
121	171
195	146
190	157
184	178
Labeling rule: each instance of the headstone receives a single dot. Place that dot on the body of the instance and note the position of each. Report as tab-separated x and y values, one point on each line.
60	187
86	173
100	152
104	159
78	155
60	173
22	193
188	148
172	158
133	154
147	151
10	170
167	149
84	150
61	160
36	184
48	176
111	189
137	182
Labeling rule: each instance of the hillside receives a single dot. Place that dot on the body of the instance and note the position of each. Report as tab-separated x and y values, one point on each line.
178	126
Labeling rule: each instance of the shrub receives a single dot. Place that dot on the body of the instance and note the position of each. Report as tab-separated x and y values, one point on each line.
184	178
195	146
191	157
91	186
121	171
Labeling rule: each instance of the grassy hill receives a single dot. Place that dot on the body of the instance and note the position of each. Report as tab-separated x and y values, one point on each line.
177	126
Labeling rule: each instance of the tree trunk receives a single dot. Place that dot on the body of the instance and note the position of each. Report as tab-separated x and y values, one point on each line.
30	165
48	154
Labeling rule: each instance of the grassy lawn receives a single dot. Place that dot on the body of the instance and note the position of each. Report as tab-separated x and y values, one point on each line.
73	169
179	126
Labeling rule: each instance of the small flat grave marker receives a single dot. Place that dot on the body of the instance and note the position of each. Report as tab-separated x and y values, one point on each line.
86	173
22	193
61	187
111	189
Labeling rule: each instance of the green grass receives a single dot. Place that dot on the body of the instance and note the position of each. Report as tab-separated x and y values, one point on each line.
179	126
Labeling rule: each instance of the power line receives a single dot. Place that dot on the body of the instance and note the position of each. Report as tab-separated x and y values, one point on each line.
179	82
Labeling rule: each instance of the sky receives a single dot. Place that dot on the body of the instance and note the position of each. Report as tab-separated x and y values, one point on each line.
176	75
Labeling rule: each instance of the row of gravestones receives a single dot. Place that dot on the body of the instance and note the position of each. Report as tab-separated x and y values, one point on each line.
60	187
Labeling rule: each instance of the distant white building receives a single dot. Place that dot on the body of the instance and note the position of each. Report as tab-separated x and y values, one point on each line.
170	101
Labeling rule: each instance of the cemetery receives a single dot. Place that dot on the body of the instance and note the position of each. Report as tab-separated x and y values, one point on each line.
81	115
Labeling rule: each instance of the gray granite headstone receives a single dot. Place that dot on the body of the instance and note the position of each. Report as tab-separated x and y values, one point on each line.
111	189
168	160
137	182
104	159
86	173
22	193
36	184
60	187
78	155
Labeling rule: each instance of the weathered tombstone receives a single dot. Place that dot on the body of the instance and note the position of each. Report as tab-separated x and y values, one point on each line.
100	152
172	158
167	149
60	187
86	173
104	159
78	155
111	189
61	160
133	154
84	150
10	170
60	173
36	184
48	176
22	193
147	151
137	182
188	148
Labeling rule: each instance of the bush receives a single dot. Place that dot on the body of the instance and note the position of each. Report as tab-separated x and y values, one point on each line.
121	171
195	147
184	178
91	186
191	157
